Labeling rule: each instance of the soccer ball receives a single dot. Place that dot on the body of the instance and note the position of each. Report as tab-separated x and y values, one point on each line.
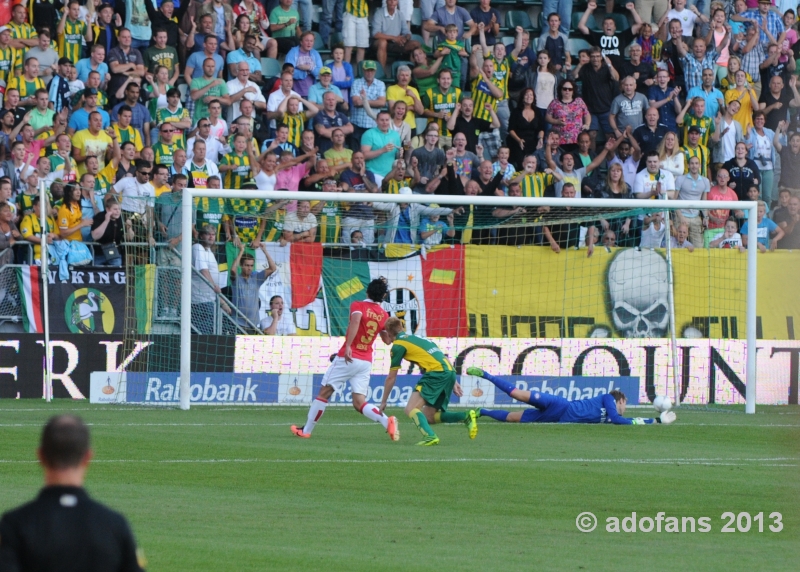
662	403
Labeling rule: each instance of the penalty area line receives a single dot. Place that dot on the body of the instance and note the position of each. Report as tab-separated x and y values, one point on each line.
757	462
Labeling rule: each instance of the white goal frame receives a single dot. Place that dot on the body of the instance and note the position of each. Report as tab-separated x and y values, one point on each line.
186	253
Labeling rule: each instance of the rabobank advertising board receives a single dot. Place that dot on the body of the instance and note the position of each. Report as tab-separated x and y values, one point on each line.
163	388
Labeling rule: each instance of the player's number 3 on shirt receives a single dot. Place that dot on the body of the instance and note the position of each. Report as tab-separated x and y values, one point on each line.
371	327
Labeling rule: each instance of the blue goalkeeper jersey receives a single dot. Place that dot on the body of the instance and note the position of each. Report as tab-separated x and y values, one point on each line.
600	409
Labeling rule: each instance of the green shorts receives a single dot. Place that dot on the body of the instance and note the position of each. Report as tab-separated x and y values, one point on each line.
435	388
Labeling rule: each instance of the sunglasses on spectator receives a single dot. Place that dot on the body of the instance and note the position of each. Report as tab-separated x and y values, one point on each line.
145	173
566	89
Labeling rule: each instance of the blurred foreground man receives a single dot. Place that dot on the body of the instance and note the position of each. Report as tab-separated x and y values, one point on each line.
64	529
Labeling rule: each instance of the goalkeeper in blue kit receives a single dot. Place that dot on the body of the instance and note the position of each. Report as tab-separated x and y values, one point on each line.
607	408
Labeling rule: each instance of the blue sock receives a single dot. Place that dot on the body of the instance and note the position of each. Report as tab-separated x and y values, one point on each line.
504	386
497	414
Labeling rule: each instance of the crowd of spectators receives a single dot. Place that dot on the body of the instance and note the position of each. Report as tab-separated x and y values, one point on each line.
116	107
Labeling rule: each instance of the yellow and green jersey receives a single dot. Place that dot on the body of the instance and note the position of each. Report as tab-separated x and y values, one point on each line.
436	101
57	162
102	99
534	185
25	203
245	217
393	186
330	222
198	176
357	8
8	63
502	73
420	351
26	88
164	153
164	115
31	226
235	178
701	152
130	133
481	96
704	124
209	211
274	227
70	43
22	31
296	124
103	181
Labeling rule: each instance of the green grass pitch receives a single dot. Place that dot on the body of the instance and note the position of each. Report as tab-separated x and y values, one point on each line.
232	489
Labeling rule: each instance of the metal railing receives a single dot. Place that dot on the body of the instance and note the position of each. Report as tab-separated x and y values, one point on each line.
166	295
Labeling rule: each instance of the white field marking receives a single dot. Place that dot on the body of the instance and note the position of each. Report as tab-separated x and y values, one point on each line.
681	461
191	424
364	424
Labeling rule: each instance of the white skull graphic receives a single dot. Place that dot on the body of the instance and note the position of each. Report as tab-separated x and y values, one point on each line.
637	285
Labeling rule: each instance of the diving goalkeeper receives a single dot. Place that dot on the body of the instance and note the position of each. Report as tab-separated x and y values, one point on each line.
607	408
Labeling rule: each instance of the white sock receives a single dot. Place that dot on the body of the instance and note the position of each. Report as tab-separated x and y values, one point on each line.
372	412
314	413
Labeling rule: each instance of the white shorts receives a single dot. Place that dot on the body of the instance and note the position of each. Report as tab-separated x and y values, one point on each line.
355	31
356	372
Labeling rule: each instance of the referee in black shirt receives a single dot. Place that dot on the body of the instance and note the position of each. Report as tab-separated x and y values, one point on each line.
64	529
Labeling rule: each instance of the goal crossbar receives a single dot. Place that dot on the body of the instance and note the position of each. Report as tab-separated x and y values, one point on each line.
633	204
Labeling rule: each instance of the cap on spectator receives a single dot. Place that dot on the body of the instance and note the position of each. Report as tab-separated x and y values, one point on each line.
764	2
694	129
4	29
405	191
89	91
369	65
3	112
64	62
325	69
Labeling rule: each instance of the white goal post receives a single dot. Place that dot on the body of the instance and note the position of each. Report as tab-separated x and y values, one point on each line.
189	195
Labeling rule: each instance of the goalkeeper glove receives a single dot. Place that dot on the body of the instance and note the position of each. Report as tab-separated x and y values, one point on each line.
667	417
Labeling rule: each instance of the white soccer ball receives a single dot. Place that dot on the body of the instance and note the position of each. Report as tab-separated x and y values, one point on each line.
662	403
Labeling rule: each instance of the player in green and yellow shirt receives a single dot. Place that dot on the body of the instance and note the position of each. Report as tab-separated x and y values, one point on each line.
396	179
236	165
31	230
125	131
439	102
328	215
8	56
166	146
27	83
71	33
174	114
486	91
209	211
428	403
295	119
534	183
23	34
274	217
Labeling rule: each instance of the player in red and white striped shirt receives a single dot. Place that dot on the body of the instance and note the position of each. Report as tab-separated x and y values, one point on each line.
353	363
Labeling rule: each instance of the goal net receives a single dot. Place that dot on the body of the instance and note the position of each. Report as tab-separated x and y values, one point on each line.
571	296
